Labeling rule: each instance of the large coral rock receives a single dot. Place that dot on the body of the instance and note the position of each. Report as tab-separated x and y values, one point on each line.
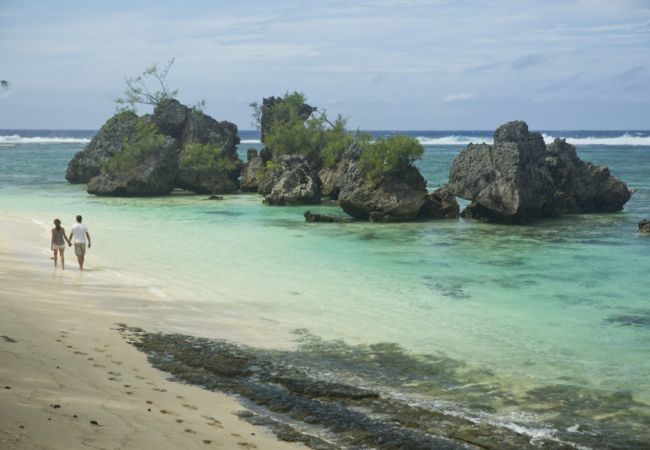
251	172
104	145
508	180
582	187
391	197
294	182
151	174
201	128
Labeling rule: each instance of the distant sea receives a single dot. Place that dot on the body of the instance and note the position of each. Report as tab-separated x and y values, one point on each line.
543	329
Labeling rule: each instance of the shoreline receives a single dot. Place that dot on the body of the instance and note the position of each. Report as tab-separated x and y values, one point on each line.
69	379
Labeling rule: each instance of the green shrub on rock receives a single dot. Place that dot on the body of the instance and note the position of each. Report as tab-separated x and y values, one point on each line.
146	140
206	157
388	154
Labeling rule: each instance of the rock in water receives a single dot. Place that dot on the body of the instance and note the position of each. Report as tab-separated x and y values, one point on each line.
208	161
644	226
391	197
251	171
581	187
294	182
508	180
314	218
146	165
518	178
104	145
440	204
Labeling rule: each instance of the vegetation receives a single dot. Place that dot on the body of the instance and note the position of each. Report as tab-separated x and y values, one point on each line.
324	142
206	157
4	84
146	140
388	154
139	92
315	137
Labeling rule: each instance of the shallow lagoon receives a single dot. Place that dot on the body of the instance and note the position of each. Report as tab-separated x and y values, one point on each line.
541	312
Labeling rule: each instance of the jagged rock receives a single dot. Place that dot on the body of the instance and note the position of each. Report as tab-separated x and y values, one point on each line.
215	197
152	173
644	226
313	218
508	179
170	117
108	141
582	187
519	178
295	182
251	171
203	129
440	204
392	197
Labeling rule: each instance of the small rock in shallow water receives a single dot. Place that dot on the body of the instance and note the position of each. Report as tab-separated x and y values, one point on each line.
644	226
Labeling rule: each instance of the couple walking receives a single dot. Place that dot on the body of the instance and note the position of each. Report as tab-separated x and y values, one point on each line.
79	235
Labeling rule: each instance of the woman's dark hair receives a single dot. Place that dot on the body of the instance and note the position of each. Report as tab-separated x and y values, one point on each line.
57	224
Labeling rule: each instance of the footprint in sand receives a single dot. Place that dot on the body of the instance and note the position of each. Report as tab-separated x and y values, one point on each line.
117	374
192	407
149	402
246	444
99	350
91	359
113	379
129	393
214	423
189	430
160	390
99	365
180	397
207	441
179	420
119	363
80	353
235	434
140	377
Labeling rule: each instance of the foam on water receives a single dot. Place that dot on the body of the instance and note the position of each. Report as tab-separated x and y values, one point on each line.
625	139
17	139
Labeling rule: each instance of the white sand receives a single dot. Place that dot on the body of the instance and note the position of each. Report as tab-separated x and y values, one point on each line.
63	365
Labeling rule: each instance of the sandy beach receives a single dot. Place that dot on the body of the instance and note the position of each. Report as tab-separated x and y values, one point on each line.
68	378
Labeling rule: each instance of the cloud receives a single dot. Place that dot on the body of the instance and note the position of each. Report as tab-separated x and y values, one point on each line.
526	61
458	97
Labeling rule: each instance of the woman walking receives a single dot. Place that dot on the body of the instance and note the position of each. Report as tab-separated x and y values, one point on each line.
59	240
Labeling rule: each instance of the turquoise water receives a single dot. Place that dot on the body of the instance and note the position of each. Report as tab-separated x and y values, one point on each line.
562	302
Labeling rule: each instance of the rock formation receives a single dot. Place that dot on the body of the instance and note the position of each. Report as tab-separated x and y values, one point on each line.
294	182
314	218
103	146
518	178
151	173
204	157
440	204
251	171
644	226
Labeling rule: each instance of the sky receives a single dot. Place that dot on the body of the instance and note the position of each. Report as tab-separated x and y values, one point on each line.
383	64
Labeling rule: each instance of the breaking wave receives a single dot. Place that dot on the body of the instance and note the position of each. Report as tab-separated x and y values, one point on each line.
624	139
16	139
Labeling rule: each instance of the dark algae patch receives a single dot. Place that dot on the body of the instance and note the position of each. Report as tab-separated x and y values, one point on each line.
328	394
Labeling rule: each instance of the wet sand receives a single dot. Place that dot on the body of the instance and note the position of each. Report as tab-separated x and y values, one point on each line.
68	379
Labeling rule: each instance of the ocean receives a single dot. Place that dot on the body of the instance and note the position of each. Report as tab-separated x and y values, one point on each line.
543	329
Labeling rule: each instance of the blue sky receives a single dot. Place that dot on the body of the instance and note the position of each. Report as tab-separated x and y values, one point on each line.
385	64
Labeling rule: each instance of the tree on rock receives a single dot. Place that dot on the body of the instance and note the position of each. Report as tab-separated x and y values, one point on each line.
139	92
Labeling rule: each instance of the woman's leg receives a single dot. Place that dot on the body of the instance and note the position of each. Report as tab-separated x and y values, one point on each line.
55	258
62	258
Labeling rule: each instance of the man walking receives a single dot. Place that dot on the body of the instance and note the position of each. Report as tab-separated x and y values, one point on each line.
80	234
